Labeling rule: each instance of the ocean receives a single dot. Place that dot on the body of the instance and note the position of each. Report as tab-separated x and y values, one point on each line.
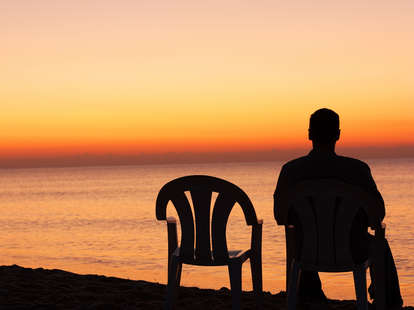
101	220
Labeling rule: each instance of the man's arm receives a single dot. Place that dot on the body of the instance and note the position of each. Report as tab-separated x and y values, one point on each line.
280	208
372	188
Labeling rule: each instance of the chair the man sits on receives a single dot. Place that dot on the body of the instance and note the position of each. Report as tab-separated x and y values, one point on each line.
325	209
206	253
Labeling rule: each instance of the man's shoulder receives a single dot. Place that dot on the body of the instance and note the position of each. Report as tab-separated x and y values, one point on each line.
296	162
353	162
334	162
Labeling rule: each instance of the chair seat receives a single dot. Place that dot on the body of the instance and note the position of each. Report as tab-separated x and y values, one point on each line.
239	255
234	256
335	268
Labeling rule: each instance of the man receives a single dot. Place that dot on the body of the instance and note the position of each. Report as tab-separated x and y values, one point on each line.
322	162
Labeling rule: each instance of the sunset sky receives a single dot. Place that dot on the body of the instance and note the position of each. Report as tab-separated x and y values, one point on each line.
132	77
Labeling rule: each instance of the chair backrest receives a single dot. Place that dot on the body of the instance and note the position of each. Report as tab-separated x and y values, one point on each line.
326	209
201	188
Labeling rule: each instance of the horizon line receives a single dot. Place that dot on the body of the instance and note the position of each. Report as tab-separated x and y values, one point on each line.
185	157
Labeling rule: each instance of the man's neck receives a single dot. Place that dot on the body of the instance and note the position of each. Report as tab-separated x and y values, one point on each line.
328	147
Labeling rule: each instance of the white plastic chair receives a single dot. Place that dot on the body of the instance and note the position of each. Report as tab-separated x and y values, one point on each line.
326	209
206	253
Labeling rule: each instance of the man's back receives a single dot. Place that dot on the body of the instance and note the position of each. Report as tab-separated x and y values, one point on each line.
320	165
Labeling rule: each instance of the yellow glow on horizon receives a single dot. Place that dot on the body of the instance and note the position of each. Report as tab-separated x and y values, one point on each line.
180	76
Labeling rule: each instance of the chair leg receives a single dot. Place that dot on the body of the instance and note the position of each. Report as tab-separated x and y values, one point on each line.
360	280
290	250
235	273
378	278
257	279
293	286
174	277
380	290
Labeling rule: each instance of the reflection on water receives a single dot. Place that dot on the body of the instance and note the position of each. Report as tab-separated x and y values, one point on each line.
102	220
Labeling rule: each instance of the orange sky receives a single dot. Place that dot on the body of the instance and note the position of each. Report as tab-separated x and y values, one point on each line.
133	77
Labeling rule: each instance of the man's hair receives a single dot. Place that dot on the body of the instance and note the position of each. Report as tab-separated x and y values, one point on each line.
324	126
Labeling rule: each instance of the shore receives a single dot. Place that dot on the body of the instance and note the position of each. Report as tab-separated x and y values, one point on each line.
25	288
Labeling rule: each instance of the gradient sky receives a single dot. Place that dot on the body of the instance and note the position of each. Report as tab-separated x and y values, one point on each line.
157	76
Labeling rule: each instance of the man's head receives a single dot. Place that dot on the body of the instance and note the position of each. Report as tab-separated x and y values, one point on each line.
324	127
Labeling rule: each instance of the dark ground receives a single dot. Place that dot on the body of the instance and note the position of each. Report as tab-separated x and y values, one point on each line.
25	288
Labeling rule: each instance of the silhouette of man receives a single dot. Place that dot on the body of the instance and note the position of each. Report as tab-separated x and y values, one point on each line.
322	162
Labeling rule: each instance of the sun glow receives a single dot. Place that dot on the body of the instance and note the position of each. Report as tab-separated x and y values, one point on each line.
143	77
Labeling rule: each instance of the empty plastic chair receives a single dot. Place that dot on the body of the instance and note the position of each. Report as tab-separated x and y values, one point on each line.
201	229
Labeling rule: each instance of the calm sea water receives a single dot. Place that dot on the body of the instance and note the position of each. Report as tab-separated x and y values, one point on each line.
101	220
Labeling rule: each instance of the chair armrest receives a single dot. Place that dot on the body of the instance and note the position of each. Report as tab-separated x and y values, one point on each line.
172	236
290	234
380	231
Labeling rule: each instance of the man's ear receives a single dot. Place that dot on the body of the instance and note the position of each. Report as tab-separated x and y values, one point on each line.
338	135
310	135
